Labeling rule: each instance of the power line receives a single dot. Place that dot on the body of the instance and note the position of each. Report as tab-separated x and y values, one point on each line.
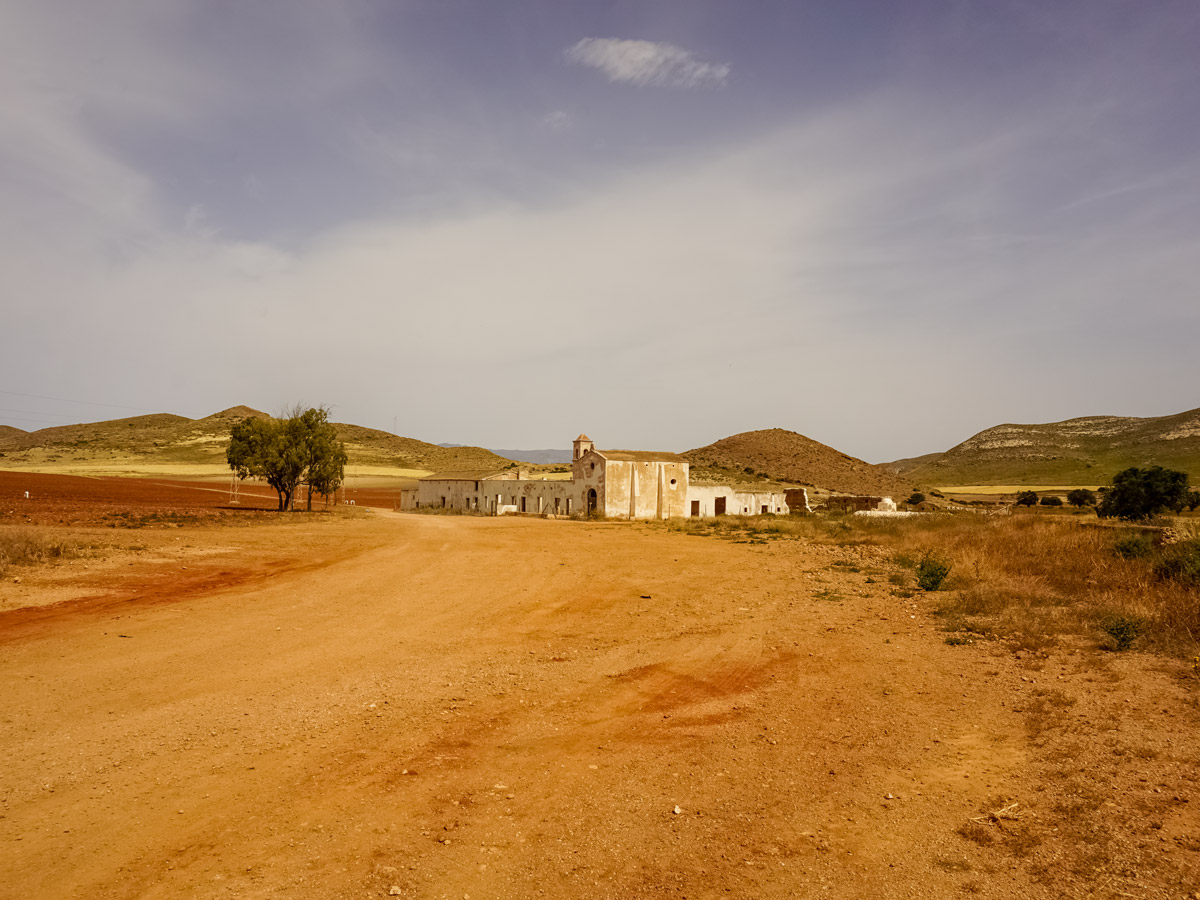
84	402
23	415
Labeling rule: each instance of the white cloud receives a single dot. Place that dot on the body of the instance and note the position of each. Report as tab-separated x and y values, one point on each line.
558	120
647	62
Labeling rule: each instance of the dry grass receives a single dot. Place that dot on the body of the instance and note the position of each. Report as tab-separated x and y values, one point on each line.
27	546
1032	580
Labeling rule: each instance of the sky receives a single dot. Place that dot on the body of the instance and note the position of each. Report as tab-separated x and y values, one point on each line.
886	226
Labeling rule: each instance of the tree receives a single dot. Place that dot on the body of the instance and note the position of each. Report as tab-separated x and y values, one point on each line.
1193	500
1142	493
1027	498
1081	497
917	497
300	449
323	454
1051	501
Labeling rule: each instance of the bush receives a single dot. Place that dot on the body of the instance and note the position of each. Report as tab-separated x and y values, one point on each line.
1142	493
1051	501
1027	498
916	498
25	546
1134	545
932	571
1180	562
1081	497
1123	630
1193	498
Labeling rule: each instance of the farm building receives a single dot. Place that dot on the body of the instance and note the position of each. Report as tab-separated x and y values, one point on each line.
618	484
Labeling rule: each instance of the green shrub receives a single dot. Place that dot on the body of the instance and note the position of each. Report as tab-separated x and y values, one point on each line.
916	498
1051	501
932	571
1180	562
1123	630
1081	497
1134	545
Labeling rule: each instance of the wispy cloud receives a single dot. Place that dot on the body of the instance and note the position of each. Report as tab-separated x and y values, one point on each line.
647	62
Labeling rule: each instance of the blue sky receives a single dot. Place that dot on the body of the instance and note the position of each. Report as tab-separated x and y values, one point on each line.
884	225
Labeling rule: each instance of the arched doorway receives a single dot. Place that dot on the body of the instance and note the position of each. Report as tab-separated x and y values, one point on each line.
591	501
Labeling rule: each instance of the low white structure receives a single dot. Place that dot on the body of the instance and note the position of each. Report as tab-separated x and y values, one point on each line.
617	484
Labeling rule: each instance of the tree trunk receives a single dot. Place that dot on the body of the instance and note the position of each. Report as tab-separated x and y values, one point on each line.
309	507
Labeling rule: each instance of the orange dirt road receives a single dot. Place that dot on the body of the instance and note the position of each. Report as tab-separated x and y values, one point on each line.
436	707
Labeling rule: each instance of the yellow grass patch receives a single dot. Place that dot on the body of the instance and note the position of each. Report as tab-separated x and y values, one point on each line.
1009	488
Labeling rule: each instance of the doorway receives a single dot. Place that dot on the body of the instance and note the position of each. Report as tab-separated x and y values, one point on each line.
591	501
719	506
695	507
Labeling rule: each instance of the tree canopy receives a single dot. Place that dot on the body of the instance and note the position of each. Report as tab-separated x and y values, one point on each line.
1081	497
299	448
1142	493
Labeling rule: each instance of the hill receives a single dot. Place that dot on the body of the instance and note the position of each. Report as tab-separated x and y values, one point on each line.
1088	450
546	457
790	457
163	441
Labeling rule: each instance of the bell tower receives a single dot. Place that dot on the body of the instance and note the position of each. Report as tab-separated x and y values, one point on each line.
582	445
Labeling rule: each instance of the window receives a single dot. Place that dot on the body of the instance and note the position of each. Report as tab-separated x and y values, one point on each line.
672	482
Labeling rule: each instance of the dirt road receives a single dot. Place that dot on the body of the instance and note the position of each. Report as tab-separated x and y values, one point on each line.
433	707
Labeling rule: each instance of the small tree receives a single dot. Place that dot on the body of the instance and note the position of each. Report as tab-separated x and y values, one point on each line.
916	498
1142	493
1081	497
1051	501
1027	498
1193	500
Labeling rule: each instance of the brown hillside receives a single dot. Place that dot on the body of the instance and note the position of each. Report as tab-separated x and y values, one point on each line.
236	414
791	457
170	439
1088	450
370	446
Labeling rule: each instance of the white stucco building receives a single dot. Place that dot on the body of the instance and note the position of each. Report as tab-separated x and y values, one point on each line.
618	484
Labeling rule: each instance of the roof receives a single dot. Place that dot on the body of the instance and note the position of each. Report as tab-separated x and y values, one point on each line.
641	456
584	437
464	475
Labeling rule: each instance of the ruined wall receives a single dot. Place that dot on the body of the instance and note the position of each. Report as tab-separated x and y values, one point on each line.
702	501
489	495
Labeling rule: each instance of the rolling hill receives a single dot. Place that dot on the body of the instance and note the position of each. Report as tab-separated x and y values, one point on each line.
162	441
1088	450
790	457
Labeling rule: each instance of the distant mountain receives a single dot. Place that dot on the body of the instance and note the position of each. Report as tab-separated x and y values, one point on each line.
549	456
163	438
1088	450
790	457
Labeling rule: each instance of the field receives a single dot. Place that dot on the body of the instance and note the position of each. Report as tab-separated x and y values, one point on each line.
212	702
989	489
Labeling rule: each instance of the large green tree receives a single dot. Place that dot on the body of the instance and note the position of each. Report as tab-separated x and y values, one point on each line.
1142	493
298	448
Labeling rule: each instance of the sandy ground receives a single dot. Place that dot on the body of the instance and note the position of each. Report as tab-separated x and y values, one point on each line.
438	707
